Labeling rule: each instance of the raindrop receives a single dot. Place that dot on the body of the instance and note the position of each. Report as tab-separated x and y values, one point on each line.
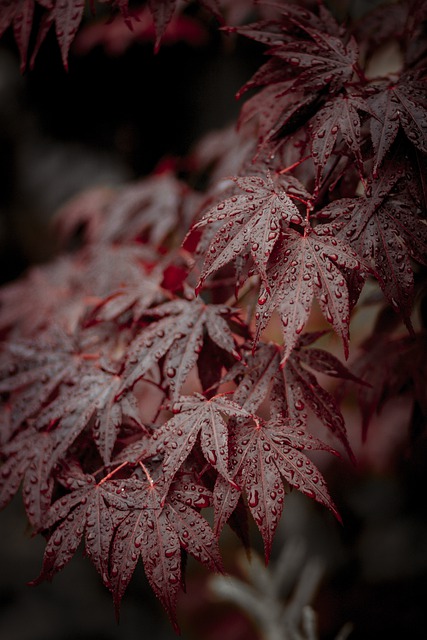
253	498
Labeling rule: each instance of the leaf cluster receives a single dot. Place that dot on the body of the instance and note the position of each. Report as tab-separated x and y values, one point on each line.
142	379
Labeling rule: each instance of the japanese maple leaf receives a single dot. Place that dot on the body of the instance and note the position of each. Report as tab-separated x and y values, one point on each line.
340	115
402	104
92	400
304	267
278	110
317	59
291	389
385	228
250	222
193	415
177	333
261	454
116	267
134	295
156	530
293	23
19	14
34	371
392	367
163	11
323	60
30	457
152	208
91	511
84	214
67	16
54	289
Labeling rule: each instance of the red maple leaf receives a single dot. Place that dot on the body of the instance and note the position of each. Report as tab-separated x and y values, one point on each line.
29	459
385	228
401	104
193	415
156	530
392	367
91	510
339	115
163	12
33	371
317	60
250	223
54	289
177	332
292	388
128	288
151	209
261	454
301	268
58	383
92	401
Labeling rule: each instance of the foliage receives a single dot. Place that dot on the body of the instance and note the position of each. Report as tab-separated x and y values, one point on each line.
142	377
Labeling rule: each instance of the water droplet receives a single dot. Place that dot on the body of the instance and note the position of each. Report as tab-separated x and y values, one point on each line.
253	498
212	457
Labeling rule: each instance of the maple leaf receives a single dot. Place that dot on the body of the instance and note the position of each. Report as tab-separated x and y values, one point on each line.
132	288
178	334
92	510
116	267
163	11
82	213
30	457
250	222
92	400
193	415
278	110
318	60
289	389
156	530
392	367
118	34
338	115
401	104
34	371
54	289
260	455
19	14
67	16
303	267
323	61
154	208
385	228
54	381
